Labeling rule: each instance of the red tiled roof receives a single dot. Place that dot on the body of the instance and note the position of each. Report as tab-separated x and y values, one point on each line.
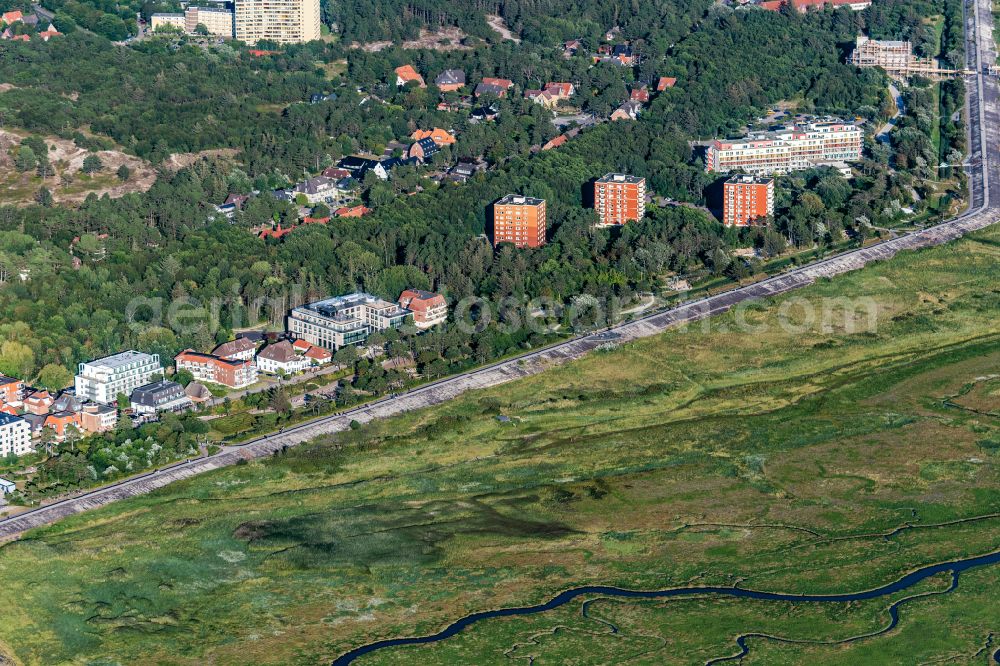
407	74
556	142
665	82
315	220
493	81
318	353
356	211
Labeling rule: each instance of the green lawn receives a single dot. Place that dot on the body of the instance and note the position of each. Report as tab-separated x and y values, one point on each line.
774	458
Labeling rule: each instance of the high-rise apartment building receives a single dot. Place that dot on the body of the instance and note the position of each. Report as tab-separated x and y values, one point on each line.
281	21
619	198
787	149
519	220
746	199
217	20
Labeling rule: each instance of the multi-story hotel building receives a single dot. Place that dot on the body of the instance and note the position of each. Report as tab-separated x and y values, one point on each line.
345	320
519	220
103	380
281	21
746	199
15	436
787	149
231	372
619	198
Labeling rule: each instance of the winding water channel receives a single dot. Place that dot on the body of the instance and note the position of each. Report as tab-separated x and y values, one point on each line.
955	567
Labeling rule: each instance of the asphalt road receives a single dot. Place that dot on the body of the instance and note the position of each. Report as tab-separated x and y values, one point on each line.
984	210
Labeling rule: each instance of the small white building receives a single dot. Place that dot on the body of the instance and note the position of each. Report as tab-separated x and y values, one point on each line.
6	488
15	435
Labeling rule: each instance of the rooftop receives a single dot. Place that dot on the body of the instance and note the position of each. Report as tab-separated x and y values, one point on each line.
519	200
619	178
746	179
6	419
121	359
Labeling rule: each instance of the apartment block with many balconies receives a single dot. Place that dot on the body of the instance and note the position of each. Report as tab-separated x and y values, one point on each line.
281	21
746	199
791	148
619	198
519	220
104	379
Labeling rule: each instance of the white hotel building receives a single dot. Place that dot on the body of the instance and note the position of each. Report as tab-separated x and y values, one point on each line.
791	148
101	381
15	436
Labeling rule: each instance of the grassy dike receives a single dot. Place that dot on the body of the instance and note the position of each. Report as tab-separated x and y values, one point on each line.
776	459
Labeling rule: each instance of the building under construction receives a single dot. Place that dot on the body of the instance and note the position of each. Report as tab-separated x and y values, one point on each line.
895	57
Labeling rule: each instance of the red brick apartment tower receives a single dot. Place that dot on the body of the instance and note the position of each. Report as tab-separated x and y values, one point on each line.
619	198
745	199
519	220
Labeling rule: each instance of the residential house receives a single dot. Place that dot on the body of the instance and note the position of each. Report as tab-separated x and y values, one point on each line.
484	113
628	111
233	373
543	97
317	189
624	55
233	203
555	142
38	402
103	380
493	86
161	396
6	488
318	355
406	74
665	82
67	402
462	171
391	163
9	18
359	166
8	409
62	423
640	94
423	149
15	436
336	173
429	309
450	80
352	211
439	136
277	232
49	33
98	418
317	98
240	349
571	48
344	320
11	391
280	358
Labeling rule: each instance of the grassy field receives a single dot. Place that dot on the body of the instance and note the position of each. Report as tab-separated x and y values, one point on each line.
776	459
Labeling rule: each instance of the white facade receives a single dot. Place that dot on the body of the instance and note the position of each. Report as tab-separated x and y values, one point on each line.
281	21
789	149
158	21
101	381
289	367
15	436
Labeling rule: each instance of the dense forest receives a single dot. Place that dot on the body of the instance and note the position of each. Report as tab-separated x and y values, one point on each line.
164	96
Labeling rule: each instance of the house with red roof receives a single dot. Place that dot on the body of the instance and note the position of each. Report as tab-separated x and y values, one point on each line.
355	211
406	74
640	95
556	142
665	82
12	17
429	309
49	33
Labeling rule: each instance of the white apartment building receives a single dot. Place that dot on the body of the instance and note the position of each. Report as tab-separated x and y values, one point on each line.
281	21
157	21
218	20
791	148
101	381
15	436
345	320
